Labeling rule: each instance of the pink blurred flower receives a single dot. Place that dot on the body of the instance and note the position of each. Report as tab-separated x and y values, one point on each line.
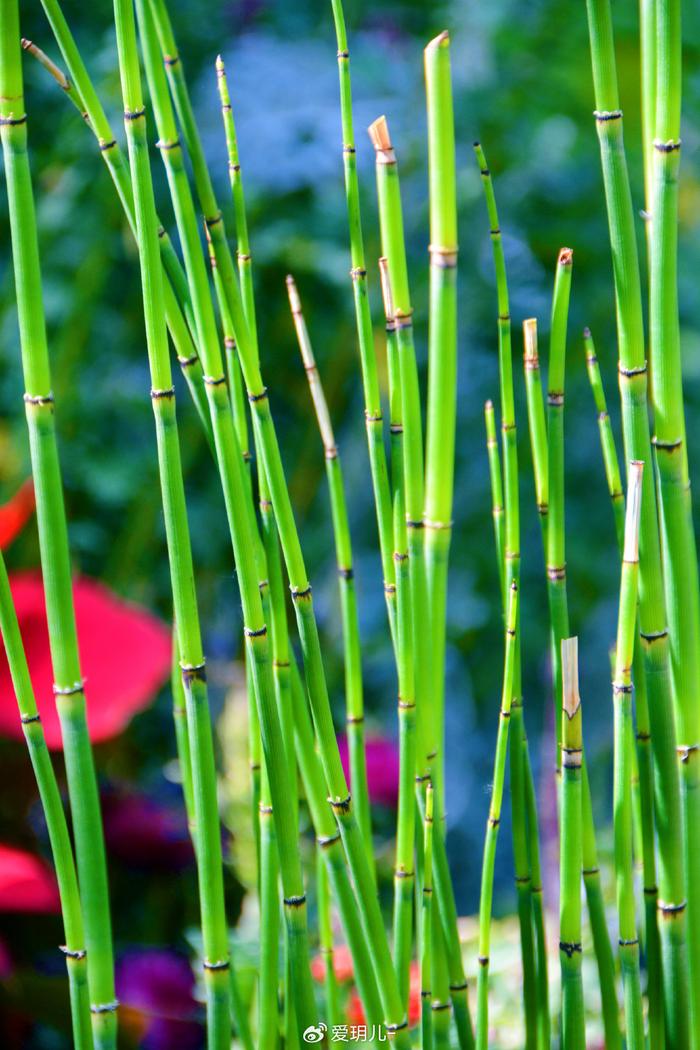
382	768
125	654
27	884
145	832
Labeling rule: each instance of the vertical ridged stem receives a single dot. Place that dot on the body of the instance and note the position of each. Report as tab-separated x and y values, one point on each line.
496	477
325	934
675	506
643	737
354	702
56	824
53	539
492	823
622	799
363	320
209	860
535	1002
426	924
573	1034
182	740
243	536
652	612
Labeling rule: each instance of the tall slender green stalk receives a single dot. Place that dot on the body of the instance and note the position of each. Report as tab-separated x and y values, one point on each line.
354	701
573	1034
678	543
551	513
622	803
56	824
442	379
652	613
268	983
535	995
213	916
494	819
426	925
496	476
363	320
643	735
53	539
325	934
241	527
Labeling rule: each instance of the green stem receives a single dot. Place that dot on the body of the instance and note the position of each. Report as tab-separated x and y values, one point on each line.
494	819
325	932
573	1032
53	538
497	509
622	801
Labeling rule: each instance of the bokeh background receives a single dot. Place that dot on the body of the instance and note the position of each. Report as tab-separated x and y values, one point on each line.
523	87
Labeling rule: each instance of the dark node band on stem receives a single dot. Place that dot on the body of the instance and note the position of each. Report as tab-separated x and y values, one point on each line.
343	54
39	399
194	672
345	573
445	258
299	593
483	960
13	121
389	588
341	805
631	943
277	664
324	841
671	146
28	719
572	757
295	902
503	713
437	526
604	116
411	524
221	964
639	370
243	256
401	873
72	953
670	910
104	1008
623	687
653	636
396	1027
331	452
587	872
213	221
642	737
438	1006
461	987
174	144
555	398
157	395
134	114
522	880
234	168
105	146
69	690
358	273
187	362
257	632
406	705
355	720
257	397
373	417
494	821
213	380
651	891
265	809
666	446
556	572
170	60
569	947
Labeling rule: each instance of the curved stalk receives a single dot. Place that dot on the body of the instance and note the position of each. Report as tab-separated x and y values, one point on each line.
53	539
494	819
496	476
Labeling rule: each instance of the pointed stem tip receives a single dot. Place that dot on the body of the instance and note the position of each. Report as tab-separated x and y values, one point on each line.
569	658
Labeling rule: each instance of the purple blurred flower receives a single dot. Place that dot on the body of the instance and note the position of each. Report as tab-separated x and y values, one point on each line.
155	989
382	768
146	832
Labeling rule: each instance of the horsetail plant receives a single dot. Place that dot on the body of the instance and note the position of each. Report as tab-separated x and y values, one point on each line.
654	630
68	686
494	819
426	938
496	477
622	701
573	1033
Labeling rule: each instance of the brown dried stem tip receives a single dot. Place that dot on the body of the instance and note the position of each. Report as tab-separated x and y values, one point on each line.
530	342
566	257
385	281
634	503
378	132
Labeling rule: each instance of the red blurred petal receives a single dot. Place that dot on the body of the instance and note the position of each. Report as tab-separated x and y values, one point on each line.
342	965
356	1013
27	884
16	512
125	656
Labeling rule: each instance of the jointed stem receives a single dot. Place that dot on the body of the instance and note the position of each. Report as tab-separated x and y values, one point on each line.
53	538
